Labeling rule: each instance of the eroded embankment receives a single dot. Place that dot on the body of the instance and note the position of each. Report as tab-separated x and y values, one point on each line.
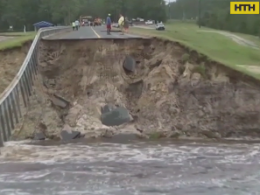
172	92
11	61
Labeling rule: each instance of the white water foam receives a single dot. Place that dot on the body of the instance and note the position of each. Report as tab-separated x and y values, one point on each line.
78	152
143	168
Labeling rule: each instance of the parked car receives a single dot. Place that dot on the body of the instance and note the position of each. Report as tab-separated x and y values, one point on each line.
149	22
115	25
86	23
160	26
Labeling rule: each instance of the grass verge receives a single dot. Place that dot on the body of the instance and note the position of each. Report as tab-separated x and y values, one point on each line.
16	41
17	33
217	47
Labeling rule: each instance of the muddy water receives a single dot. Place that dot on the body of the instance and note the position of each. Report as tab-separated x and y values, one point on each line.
127	169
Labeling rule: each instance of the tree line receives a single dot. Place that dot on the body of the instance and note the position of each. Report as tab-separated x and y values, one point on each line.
214	14
18	13
209	13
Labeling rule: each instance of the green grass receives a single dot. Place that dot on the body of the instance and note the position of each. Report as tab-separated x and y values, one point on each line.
16	41
193	24
216	46
17	33
254	39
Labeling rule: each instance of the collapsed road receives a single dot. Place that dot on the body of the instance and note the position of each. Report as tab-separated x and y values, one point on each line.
94	85
115	86
96	37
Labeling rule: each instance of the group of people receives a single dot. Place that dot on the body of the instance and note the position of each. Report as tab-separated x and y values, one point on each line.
123	24
75	25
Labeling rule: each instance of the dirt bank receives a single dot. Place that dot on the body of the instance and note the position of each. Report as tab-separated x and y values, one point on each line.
173	92
10	63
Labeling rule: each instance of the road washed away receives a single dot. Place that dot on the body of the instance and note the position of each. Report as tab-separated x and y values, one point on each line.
148	88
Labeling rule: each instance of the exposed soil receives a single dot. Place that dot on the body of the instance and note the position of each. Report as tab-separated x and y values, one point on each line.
174	92
10	62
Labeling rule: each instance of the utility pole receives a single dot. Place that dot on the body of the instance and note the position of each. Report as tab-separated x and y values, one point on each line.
199	13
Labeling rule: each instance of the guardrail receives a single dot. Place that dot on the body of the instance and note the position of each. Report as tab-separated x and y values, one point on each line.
21	88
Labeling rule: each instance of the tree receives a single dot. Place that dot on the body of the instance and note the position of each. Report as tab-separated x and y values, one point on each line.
215	14
18	13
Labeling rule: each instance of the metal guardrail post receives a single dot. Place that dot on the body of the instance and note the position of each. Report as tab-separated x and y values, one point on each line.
21	88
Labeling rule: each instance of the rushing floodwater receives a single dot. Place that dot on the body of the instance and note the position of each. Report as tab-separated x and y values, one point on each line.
130	169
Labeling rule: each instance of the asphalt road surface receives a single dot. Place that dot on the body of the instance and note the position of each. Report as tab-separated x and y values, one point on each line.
89	32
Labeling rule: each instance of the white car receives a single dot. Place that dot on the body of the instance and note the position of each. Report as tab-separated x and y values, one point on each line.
140	19
160	26
149	22
115	25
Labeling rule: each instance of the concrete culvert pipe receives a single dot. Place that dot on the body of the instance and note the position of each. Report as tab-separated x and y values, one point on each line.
129	64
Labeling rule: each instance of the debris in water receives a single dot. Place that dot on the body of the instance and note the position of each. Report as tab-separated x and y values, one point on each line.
66	136
39	136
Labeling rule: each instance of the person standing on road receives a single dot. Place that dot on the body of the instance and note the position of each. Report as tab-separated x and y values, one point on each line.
108	23
73	25
77	24
121	23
